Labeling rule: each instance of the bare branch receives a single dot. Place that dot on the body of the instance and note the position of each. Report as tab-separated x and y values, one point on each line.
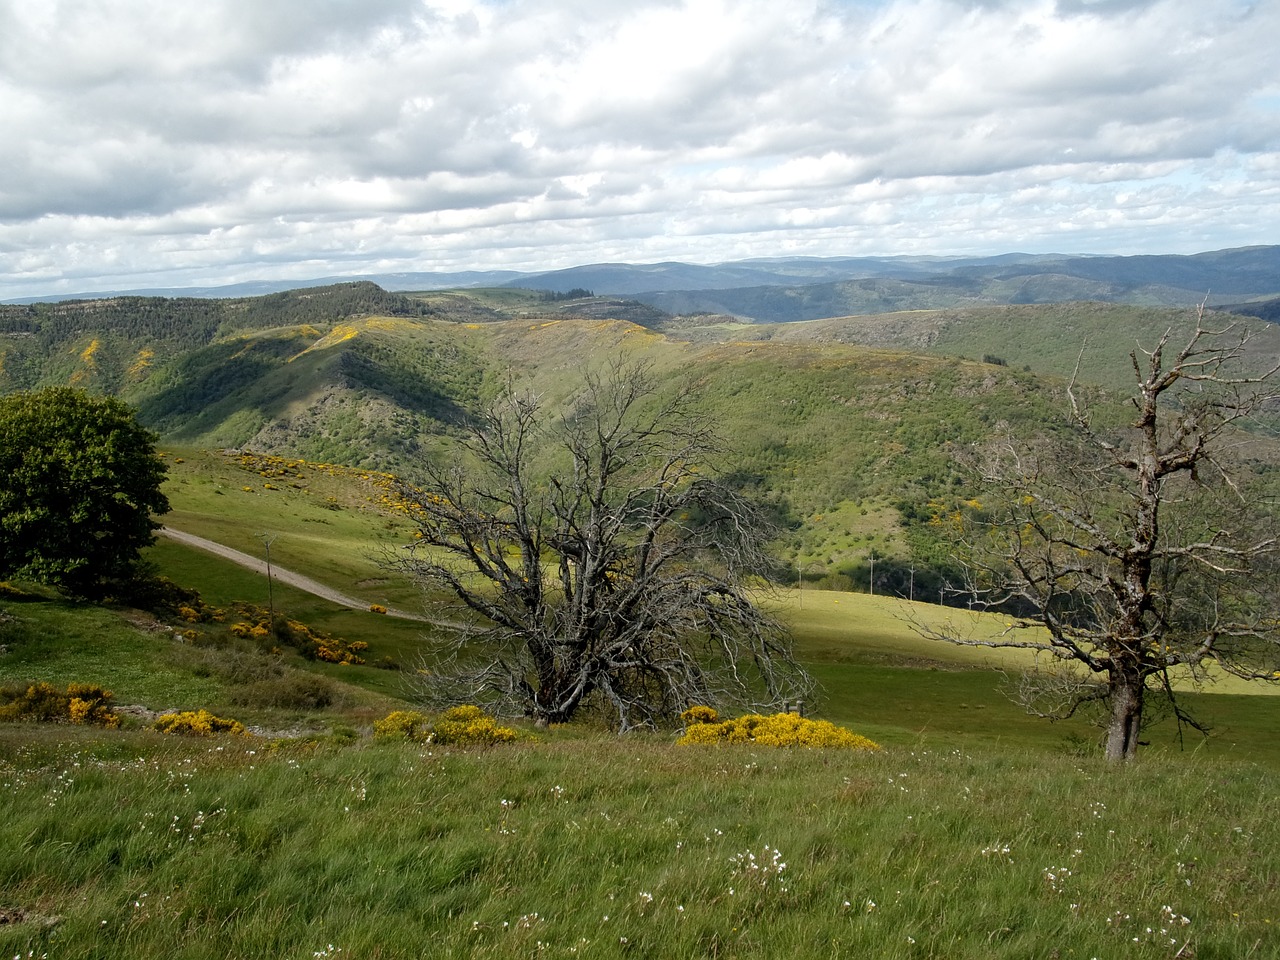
1138	547
619	579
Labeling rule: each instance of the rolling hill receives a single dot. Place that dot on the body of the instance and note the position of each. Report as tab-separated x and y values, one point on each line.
848	427
782	289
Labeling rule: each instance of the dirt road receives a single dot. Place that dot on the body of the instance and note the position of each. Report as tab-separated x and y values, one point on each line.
306	584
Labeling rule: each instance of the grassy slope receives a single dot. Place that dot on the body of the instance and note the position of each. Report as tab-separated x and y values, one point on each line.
977	833
878	675
1044	338
124	845
788	405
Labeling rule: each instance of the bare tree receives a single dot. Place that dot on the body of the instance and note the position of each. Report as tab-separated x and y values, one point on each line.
1135	550
618	575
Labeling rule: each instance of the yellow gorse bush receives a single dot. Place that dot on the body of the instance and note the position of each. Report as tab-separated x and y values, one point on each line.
198	723
776	730
86	704
470	725
402	725
457	726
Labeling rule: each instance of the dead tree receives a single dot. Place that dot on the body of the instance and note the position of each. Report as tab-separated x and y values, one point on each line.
599	560
1131	552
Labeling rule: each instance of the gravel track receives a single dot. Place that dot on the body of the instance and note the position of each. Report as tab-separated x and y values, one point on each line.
306	584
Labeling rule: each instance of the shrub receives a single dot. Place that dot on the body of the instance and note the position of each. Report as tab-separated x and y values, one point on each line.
162	596
402	725
291	690
457	726
80	703
200	723
698	714
777	730
309	642
470	725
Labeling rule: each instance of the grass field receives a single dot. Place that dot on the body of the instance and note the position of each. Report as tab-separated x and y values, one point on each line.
876	672
126	844
976	832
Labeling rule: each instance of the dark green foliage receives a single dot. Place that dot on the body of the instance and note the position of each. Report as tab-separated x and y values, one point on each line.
577	293
79	482
1268	310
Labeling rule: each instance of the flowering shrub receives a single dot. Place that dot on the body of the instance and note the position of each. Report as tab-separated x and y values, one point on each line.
163	597
200	723
81	703
312	644
470	725
402	725
777	730
697	714
458	726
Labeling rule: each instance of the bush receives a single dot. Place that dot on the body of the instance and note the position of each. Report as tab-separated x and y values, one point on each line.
81	703
163	597
457	726
312	644
698	714
777	730
402	725
79	482
292	690
200	723
468	725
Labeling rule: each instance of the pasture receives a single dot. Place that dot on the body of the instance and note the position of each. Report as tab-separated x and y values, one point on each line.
975	832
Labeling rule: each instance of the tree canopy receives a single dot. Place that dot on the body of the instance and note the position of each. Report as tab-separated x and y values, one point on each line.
79	483
613	572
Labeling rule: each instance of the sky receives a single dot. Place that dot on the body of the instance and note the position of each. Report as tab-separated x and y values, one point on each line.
149	143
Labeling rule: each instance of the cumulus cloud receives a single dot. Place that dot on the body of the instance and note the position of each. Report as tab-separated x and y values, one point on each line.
228	140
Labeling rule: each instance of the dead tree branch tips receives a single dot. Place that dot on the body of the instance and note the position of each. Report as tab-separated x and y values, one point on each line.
1142	547
600	562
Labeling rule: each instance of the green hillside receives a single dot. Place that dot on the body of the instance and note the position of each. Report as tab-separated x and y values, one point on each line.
1046	339
849	427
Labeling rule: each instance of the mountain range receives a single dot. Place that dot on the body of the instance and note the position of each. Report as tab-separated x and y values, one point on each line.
787	289
851	428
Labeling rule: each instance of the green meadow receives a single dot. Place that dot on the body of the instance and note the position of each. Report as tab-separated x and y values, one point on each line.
975	831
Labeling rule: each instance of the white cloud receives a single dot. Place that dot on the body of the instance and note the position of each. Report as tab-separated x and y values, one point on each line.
233	139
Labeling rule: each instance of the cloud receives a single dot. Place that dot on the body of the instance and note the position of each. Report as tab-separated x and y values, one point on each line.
227	140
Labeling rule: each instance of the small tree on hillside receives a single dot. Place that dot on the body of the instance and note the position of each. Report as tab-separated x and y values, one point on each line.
1129	552
615	575
79	483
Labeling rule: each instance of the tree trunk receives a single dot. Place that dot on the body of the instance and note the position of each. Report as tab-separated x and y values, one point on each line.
1126	718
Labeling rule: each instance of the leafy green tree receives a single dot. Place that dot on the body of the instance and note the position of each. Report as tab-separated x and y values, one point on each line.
79	483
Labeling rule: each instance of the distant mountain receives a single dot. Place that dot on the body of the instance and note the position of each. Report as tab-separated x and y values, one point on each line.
1222	277
1268	310
784	289
462	280
626	279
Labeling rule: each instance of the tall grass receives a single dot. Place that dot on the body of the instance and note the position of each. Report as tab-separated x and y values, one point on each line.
128	845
